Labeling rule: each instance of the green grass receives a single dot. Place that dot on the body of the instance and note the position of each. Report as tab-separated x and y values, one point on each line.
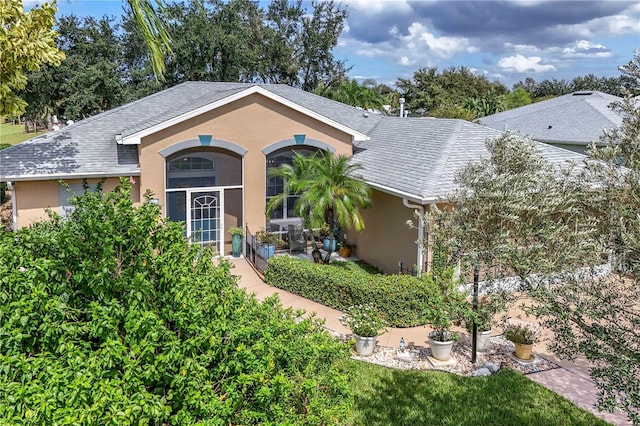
13	134
385	396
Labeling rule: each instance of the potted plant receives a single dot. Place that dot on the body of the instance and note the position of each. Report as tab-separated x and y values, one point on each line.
236	240
267	243
366	324
327	241
345	248
523	335
483	318
440	315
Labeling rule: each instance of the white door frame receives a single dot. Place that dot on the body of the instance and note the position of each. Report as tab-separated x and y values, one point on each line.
218	217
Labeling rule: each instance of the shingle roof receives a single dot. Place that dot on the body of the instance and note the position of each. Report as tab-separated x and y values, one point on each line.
89	147
579	117
414	156
421	156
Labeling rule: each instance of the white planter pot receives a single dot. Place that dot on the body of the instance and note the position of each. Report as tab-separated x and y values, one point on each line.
440	350
483	341
365	345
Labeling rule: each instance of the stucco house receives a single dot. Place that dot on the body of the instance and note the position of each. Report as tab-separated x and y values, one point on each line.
572	121
204	149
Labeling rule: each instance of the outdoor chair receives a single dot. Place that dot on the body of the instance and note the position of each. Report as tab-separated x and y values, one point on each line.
297	238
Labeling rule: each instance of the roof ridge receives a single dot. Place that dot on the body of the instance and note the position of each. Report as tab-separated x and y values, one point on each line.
444	154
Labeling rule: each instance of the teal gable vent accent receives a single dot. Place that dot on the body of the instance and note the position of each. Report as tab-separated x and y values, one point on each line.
205	140
299	139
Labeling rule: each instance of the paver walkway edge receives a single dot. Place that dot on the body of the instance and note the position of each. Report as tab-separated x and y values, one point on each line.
569	380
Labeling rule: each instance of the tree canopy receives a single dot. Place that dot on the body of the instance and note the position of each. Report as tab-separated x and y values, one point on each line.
572	236
27	41
111	316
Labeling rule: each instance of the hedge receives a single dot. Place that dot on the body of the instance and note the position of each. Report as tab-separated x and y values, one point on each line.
399	298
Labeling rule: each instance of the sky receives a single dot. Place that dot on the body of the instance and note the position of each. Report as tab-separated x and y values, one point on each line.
506	41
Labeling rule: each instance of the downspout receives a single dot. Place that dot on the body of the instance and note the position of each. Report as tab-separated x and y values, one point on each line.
14	204
420	212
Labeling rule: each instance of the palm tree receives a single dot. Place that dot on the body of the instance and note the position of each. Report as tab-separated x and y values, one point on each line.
329	192
154	33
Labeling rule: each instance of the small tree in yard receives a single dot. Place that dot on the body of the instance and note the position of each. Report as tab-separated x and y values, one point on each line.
329	192
549	226
110	316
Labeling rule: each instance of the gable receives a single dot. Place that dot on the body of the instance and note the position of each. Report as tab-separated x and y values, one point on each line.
134	135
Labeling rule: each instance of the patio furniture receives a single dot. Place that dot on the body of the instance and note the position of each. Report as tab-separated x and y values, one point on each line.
297	238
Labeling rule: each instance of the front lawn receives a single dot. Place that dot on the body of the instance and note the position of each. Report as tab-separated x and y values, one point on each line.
13	134
384	396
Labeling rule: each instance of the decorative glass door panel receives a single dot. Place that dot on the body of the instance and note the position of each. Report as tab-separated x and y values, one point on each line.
204	225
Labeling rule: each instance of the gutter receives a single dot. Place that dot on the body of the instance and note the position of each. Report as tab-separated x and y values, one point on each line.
124	173
419	209
402	194
14	205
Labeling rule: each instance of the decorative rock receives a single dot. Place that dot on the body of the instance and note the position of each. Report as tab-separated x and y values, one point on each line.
494	368
405	355
461	356
481	372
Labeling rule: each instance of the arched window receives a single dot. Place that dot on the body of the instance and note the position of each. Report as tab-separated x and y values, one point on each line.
275	186
191	170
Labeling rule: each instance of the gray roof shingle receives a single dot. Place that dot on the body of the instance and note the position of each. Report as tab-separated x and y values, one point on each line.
421	156
578	117
416	156
89	146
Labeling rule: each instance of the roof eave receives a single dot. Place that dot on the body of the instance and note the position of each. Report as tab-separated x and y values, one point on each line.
136	137
22	178
403	194
568	142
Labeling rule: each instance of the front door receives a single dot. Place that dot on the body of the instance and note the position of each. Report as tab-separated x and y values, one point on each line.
200	210
205	225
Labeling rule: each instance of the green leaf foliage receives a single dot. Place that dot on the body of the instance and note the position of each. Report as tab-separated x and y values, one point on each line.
109	316
399	299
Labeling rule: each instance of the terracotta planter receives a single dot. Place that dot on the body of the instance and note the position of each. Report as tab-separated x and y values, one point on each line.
440	350
345	251
365	345
523	351
483	341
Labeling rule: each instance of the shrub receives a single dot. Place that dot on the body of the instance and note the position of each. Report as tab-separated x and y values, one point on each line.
400	299
110	317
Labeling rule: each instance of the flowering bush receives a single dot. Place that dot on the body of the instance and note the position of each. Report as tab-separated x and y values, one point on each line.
522	333
363	320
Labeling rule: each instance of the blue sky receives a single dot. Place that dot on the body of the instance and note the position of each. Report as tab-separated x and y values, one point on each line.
503	40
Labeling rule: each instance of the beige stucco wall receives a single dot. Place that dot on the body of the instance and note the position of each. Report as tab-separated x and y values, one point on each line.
386	238
34	197
253	123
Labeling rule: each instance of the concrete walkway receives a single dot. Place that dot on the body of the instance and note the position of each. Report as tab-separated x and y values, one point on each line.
571	380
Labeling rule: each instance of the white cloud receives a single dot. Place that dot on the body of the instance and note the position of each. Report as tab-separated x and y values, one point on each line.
626	22
406	61
521	63
586	49
521	48
372	7
443	47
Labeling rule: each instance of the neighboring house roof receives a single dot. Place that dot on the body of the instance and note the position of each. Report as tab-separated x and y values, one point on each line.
577	118
418	158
